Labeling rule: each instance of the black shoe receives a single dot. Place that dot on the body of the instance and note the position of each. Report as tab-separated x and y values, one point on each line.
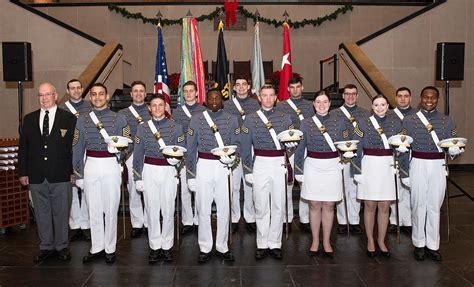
276	253
342	229
433	254
305	227
110	258
392	228
313	253
251	226
136	232
385	254
86	234
43	255
64	254
145	230
204	257
261	253
419	253
289	227
370	254
235	227
227	256
154	256
92	256
406	229
355	228
187	229
76	236
328	254
168	255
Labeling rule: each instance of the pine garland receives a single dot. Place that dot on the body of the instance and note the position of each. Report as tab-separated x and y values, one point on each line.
274	22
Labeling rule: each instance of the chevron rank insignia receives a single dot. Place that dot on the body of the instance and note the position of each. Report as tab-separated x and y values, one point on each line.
181	138
190	131
137	140
75	139
245	130
237	131
358	132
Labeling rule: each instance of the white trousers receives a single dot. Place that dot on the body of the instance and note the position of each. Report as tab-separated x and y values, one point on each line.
353	206
188	211
249	208
102	180
137	213
428	185
269	199
211	185
404	206
79	215
160	195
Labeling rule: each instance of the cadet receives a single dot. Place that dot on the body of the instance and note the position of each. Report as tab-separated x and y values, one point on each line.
241	105
156	176
99	174
352	114
137	114
265	169
207	173
79	217
427	173
298	108
182	115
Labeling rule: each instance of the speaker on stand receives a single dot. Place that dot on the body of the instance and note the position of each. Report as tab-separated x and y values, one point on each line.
17	68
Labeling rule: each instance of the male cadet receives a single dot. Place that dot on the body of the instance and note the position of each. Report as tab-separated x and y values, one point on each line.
44	161
298	108
99	173
240	106
207	174
265	169
79	218
182	115
403	109
352	114
137	113
427	172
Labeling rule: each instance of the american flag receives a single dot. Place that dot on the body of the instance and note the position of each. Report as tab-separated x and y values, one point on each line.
161	71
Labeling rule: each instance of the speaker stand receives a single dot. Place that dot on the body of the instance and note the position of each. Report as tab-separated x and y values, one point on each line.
446	110
20	106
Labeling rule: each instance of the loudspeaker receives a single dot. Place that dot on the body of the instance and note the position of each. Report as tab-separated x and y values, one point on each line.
450	61
16	61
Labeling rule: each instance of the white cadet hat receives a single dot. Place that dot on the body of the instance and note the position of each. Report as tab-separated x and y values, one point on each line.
224	151
290	135
118	141
346	145
174	151
399	140
451	142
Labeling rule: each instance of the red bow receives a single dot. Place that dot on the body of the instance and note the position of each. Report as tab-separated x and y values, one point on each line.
230	9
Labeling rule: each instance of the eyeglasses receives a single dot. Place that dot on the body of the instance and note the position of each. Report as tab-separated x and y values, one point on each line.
46	95
350	94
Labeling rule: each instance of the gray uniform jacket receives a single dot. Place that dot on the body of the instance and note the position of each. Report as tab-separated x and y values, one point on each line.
304	106
81	107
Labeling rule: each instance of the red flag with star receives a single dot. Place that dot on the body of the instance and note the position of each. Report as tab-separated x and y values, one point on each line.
286	69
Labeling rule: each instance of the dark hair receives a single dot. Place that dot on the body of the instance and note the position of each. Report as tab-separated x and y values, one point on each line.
156	96
213	90
350	86
430	88
401	89
137	83
378	97
73	80
295	80
99	85
240	77
321	93
191	83
267	86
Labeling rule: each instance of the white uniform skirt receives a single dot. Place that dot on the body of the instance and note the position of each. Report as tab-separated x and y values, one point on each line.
377	176
322	180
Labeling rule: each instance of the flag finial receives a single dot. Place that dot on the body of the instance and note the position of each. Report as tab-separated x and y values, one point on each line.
286	15
189	14
159	16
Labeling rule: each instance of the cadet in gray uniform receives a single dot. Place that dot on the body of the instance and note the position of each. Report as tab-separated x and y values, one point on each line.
319	170
137	114
241	105
207	173
427	173
352	114
265	169
298	108
375	183
99	174
79	216
182	115
156	176
403	109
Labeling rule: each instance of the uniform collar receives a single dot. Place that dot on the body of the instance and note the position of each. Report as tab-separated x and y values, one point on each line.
215	114
430	113
139	107
297	100
350	108
76	104
191	106
100	112
269	112
405	110
160	121
322	118
380	119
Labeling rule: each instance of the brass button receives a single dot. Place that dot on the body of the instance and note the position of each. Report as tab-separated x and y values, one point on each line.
45	146
45	158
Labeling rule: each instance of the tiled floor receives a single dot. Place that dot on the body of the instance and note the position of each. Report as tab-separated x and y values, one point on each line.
350	267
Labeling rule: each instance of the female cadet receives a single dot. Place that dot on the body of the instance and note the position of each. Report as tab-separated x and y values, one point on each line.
320	172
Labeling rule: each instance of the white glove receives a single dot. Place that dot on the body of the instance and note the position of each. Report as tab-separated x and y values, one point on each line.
291	144
406	181
80	183
139	185
402	148
454	150
172	160
112	149
299	177
249	178
225	159
192	184
349	154
358	178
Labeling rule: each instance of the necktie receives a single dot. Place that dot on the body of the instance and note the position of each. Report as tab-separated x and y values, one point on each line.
46	124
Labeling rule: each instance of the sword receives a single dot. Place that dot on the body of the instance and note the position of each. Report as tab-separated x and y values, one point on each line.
287	227
448	216
229	188
344	197
396	167
178	168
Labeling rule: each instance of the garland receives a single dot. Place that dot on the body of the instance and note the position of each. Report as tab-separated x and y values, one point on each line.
277	23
